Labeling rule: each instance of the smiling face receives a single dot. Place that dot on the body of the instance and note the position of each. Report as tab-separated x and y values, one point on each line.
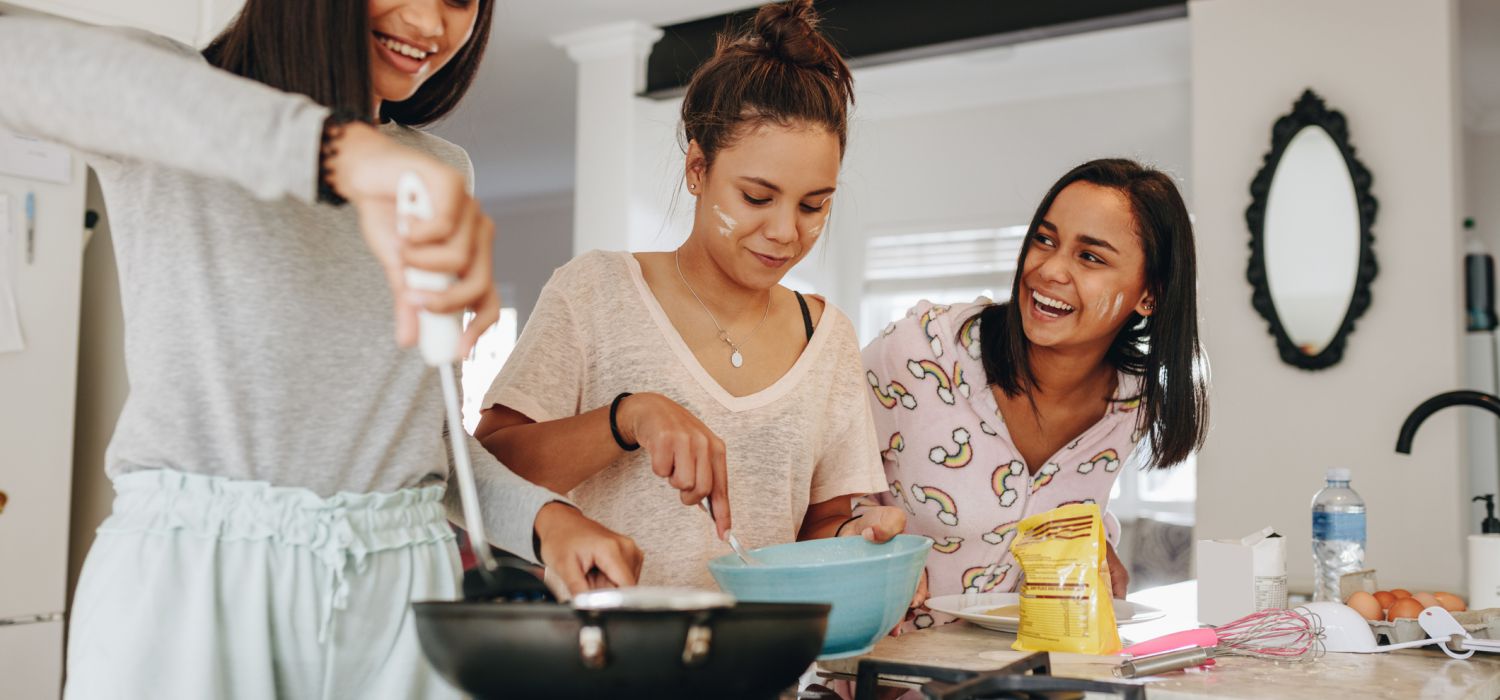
1085	270
764	202
413	39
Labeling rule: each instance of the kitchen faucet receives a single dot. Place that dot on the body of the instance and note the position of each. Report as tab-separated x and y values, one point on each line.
1478	399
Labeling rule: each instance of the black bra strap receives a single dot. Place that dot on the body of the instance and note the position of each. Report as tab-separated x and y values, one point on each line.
806	315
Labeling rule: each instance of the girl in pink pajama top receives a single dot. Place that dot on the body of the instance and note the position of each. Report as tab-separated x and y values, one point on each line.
987	414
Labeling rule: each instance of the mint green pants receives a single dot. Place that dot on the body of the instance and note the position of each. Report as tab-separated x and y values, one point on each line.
204	587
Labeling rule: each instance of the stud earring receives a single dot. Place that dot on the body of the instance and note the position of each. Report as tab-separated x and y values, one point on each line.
692	186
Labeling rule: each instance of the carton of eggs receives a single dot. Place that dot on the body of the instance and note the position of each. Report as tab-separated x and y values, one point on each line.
1400	604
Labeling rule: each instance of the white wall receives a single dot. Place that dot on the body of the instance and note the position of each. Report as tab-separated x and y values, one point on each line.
1482	184
1390	67
989	166
102	387
534	237
972	167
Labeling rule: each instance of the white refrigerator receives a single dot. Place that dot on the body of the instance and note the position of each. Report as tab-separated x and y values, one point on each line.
41	260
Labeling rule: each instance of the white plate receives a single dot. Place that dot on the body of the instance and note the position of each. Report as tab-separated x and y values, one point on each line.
974	606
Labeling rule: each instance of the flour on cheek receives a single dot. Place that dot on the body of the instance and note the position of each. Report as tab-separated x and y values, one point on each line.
726	222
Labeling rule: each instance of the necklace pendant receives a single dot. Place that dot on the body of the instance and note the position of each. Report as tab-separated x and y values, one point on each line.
736	359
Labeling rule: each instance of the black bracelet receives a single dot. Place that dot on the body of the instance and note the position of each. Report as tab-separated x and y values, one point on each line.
614	427
840	528
333	128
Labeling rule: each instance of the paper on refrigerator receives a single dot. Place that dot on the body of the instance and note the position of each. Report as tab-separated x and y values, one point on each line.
10	319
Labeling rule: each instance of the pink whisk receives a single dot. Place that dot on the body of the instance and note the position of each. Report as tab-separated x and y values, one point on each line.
1278	635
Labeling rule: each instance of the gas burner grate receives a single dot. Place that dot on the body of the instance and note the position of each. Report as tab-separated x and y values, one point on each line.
1029	678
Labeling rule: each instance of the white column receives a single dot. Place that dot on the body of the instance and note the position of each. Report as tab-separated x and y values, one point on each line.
611	72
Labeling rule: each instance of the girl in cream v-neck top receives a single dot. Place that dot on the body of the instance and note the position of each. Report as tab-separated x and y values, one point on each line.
648	384
598	331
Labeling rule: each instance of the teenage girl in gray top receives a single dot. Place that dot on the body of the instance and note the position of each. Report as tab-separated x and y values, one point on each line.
280	463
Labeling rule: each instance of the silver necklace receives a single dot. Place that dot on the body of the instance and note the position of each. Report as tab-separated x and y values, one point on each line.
735	357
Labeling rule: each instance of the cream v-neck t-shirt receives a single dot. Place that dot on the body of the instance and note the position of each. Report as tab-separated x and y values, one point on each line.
598	331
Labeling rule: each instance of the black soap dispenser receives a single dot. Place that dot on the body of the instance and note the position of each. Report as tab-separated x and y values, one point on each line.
1491	525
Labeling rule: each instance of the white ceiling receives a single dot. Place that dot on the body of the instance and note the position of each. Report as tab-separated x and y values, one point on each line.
517	122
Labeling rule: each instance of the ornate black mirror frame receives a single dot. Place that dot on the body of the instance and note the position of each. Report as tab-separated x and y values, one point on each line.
1310	111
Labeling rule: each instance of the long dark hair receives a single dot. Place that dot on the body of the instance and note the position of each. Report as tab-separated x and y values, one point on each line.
321	48
782	71
1162	348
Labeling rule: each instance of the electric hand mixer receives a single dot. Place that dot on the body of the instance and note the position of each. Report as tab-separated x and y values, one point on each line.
438	339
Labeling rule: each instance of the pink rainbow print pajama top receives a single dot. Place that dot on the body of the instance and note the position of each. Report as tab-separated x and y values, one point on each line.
950	461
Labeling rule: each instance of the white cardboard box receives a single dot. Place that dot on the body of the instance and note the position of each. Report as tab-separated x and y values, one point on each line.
1239	577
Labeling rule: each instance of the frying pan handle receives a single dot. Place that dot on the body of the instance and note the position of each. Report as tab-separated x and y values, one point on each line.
592	649
700	637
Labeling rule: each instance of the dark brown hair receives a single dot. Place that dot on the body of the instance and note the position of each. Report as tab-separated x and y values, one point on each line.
321	48
1162	348
781	71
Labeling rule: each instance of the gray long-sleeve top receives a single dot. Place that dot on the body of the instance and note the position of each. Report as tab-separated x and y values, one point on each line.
259	338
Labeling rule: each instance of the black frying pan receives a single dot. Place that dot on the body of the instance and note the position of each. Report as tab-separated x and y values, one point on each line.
751	651
507	640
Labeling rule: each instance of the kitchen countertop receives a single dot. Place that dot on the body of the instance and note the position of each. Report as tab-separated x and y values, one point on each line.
1415	673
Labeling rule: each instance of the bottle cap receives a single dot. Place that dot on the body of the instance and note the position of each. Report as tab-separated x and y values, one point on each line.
1338	474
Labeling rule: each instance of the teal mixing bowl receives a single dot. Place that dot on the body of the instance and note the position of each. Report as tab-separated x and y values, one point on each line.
869	585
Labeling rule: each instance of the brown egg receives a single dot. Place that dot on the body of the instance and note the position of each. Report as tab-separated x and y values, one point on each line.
1426	599
1400	593
1404	609
1386	598
1364	604
1450	602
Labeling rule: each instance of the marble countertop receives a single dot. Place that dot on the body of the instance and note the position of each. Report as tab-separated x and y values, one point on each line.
1416	673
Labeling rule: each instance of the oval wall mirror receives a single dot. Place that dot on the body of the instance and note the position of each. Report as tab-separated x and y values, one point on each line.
1311	246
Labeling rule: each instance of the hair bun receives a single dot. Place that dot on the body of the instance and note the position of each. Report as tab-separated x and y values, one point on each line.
789	31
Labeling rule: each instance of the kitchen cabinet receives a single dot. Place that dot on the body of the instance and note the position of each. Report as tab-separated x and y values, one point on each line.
189	21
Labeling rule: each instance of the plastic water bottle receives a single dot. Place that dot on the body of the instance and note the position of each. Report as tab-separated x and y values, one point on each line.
1338	534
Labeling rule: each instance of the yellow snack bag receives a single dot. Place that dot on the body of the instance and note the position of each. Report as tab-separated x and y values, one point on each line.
1065	592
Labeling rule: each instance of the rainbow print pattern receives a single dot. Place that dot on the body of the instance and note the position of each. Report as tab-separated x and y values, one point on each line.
968	336
947	509
899	391
983	579
928	322
892	394
958	380
927	368
1108	460
954	460
1002	531
1003	474
897	444
898	492
949	545
1044	476
986	429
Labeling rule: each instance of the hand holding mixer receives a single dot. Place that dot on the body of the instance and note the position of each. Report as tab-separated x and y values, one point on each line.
438	340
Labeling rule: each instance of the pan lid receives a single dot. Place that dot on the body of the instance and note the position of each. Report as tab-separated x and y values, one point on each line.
651	598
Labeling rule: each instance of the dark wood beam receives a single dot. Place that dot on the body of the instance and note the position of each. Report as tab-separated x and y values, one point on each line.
871	32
